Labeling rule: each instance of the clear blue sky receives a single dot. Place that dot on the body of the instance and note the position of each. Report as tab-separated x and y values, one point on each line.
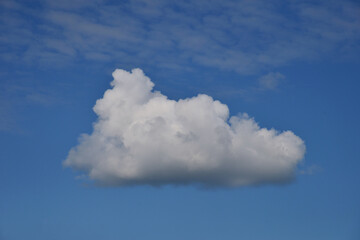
292	65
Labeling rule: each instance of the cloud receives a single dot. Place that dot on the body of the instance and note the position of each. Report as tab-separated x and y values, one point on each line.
142	137
311	170
247	37
270	81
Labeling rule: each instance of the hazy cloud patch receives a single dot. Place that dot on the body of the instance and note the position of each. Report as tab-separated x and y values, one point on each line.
311	170
247	37
270	81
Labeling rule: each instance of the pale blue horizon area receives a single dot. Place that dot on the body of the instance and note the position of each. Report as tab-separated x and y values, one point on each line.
52	73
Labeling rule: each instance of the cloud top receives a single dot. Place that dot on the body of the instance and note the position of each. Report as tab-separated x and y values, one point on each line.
142	137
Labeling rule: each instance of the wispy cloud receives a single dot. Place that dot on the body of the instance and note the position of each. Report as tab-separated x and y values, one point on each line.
311	170
17	94
242	36
270	81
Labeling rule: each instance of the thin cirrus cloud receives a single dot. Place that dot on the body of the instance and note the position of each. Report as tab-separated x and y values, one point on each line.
143	138
247	37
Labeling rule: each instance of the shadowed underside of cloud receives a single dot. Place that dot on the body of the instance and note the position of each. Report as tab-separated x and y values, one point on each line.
142	137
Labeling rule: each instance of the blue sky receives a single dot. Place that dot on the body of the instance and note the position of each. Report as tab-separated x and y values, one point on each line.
290	65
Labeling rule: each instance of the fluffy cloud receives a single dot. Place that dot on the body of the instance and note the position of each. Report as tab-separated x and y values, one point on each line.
142	137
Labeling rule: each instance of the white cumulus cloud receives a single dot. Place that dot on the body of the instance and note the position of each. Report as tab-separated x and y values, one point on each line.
142	137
